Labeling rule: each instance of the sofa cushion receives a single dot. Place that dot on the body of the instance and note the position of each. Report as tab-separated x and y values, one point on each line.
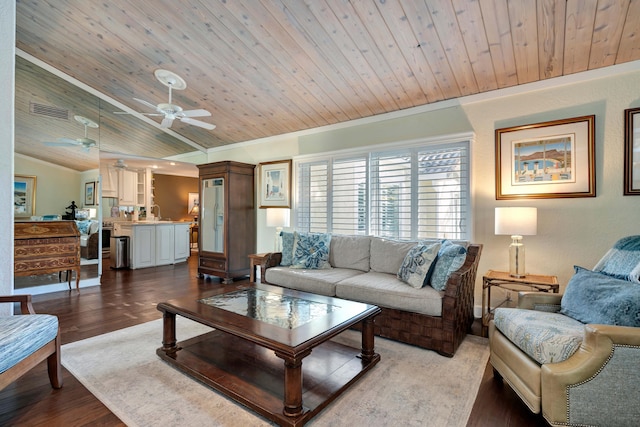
417	264
386	290
311	250
592	297
350	252
387	255
545	337
450	258
287	248
321	282
22	335
622	260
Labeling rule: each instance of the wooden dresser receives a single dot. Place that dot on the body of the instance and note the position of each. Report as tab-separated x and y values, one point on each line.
44	247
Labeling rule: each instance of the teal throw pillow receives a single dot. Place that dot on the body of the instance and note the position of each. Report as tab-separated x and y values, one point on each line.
287	248
311	250
416	264
592	297
450	258
622	260
83	226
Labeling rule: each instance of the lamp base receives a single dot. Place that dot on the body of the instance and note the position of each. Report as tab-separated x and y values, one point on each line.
516	258
277	247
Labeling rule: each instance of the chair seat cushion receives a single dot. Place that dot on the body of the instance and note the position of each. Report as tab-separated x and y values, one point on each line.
22	335
545	337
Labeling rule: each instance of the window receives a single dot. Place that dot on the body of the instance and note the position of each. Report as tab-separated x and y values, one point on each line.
409	193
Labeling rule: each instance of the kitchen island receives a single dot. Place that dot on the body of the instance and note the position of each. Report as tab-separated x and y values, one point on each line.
154	243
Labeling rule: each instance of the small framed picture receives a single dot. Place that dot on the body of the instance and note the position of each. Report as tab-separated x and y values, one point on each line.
24	196
632	152
90	193
546	160
274	184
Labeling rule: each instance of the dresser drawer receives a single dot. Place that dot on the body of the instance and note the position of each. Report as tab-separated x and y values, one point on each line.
214	264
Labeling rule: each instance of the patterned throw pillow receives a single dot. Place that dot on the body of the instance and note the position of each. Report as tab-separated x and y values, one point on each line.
83	226
287	248
417	263
592	297
311	250
450	258
622	260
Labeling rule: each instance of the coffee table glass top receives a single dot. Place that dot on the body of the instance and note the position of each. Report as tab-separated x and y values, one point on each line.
285	311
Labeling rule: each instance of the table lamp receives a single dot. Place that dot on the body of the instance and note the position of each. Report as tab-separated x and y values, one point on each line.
195	210
277	217
517	222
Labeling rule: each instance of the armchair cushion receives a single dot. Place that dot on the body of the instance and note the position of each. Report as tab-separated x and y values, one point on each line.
592	297
545	337
22	335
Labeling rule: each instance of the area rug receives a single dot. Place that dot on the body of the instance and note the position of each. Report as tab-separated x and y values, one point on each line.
409	387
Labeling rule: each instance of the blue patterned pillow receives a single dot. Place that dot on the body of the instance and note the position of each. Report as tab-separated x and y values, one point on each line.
450	258
83	226
592	297
311	250
287	248
622	260
416	264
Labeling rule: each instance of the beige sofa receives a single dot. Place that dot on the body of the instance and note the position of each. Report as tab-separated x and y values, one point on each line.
364	268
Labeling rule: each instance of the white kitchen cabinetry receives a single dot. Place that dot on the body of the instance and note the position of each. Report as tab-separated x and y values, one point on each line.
182	242
154	244
109	182
165	246
127	188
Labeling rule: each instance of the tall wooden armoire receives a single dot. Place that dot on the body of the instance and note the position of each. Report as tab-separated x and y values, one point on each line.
227	219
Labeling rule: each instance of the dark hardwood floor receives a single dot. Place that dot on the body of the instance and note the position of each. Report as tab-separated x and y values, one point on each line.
129	297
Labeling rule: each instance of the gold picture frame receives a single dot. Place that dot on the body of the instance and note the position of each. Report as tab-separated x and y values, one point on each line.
274	184
632	152
546	160
24	196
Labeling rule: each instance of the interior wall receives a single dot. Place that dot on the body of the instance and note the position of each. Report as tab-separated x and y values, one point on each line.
571	231
56	187
172	195
7	93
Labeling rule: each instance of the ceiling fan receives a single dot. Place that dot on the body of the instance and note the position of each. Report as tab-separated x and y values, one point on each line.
170	111
120	164
86	143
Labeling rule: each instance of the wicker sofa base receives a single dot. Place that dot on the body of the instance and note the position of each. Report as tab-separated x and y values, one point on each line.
420	330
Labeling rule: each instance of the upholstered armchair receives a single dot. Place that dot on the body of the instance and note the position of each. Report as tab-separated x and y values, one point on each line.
26	340
576	357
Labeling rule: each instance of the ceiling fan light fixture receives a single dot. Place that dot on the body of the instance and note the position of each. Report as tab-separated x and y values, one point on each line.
170	79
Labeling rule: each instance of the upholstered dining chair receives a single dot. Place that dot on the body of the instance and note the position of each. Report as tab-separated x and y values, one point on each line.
26	340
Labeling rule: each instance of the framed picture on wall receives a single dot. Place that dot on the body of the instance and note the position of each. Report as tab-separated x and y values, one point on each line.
632	152
90	193
546	160
274	184
24	196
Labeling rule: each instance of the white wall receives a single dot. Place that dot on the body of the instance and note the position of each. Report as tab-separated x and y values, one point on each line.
570	231
7	94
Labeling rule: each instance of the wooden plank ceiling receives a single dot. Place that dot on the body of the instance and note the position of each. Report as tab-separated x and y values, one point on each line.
268	67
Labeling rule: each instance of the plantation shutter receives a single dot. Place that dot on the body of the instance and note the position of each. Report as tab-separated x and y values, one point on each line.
312	197
349	201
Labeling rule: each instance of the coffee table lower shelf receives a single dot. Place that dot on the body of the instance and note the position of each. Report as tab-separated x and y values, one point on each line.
254	376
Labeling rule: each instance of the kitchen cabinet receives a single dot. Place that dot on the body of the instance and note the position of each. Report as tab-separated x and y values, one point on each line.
109	181
153	244
128	186
227	220
182	239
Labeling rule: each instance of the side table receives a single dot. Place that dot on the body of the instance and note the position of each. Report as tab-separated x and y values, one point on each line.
502	279
256	261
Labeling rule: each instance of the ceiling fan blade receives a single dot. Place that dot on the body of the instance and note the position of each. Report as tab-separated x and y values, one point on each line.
59	144
166	122
196	113
198	123
148	104
70	141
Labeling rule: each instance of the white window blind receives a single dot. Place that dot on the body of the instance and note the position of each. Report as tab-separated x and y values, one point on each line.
410	193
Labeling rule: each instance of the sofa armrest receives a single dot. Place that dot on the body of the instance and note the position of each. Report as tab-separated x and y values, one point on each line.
457	302
24	300
539	301
599	371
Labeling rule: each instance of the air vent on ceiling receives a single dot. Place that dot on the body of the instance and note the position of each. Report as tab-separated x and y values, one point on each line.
48	111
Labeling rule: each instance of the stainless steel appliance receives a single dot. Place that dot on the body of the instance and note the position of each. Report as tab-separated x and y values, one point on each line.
119	252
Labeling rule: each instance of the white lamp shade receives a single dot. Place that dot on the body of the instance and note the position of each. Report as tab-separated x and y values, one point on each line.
517	221
277	217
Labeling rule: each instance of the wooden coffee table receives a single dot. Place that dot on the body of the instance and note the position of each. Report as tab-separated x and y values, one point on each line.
262	335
